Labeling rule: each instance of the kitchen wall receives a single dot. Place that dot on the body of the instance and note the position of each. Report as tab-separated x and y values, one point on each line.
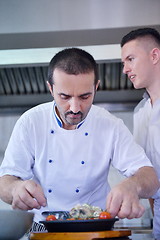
48	23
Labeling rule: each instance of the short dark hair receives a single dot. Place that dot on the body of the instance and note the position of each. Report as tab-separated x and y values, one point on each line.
140	33
73	61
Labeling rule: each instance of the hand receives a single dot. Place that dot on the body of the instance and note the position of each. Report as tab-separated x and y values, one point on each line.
27	195
123	201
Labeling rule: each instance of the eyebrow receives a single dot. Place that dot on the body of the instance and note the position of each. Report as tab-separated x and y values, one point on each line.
82	95
85	94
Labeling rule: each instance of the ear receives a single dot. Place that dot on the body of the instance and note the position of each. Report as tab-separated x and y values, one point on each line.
50	88
97	84
155	55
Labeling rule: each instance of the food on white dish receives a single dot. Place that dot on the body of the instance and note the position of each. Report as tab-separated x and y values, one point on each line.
85	211
82	212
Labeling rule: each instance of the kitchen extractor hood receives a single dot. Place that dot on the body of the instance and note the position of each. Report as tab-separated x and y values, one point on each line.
22	87
23	79
33	31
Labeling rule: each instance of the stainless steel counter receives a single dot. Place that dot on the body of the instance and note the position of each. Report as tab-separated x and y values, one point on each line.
141	236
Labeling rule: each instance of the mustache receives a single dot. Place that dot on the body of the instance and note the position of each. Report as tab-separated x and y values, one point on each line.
77	113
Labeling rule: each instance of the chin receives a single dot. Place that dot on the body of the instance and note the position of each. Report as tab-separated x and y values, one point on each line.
136	86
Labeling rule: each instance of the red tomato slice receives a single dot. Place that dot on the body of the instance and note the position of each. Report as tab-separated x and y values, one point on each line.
105	215
51	218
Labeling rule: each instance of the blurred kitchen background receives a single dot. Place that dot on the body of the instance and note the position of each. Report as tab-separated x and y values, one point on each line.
32	31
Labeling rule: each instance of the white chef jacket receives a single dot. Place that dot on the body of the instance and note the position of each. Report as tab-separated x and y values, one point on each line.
147	130
147	134
71	165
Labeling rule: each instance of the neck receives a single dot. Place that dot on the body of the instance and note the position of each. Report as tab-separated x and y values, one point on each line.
154	95
153	88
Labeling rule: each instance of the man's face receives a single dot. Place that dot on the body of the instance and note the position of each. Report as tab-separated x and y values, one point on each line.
137	63
73	95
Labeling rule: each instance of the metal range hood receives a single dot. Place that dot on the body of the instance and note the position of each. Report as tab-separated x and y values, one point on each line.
35	30
22	87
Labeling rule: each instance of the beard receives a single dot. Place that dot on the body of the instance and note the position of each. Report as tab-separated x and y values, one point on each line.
72	118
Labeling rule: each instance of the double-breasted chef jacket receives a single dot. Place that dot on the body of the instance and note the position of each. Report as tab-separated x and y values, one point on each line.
71	165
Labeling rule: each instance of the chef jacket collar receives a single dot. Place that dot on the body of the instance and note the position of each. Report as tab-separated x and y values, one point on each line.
59	120
146	95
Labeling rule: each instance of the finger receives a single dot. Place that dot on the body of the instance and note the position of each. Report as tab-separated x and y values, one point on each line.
19	204
108	202
24	201
131	210
30	201
113	205
37	194
137	211
125	209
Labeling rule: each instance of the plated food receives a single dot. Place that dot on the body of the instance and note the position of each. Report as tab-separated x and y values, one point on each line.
81	212
81	218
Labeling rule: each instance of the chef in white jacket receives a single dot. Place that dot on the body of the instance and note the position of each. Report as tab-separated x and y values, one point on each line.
60	152
141	58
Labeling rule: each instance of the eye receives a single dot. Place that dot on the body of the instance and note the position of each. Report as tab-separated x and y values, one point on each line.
130	59
64	97
85	97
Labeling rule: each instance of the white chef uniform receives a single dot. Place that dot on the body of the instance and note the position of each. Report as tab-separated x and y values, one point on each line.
71	165
147	134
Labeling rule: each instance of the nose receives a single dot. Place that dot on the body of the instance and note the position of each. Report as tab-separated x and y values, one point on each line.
126	68
75	105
